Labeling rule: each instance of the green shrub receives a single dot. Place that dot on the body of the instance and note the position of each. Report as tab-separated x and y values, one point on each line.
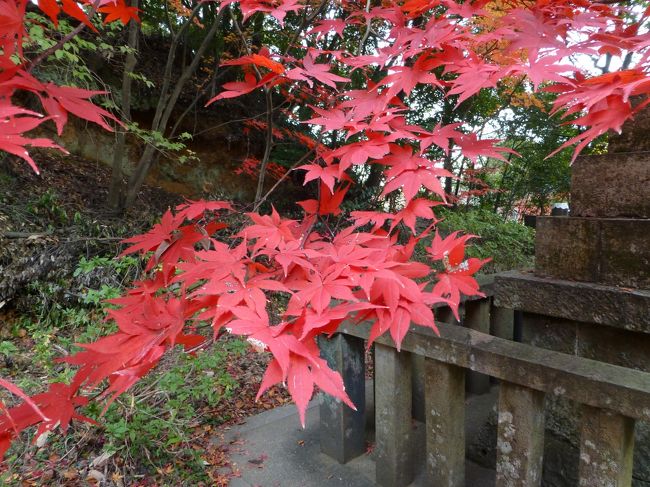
510	244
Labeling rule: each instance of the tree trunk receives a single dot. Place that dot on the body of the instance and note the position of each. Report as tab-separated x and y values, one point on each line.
116	190
167	102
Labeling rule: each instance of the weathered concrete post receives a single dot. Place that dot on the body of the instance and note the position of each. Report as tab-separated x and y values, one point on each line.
442	314
445	421
393	423
520	437
477	317
502	322
342	430
417	380
606	449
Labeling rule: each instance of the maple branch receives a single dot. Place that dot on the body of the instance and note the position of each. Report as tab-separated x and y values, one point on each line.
200	346
168	100
169	66
206	85
244	41
268	94
19	235
362	42
236	120
306	20
64	40
284	176
114	198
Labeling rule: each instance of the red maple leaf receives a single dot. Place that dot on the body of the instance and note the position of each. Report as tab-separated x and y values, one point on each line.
419	207
473	147
12	140
262	60
411	172
250	83
405	78
51	9
72	8
158	238
76	101
328	174
319	72
329	203
119	10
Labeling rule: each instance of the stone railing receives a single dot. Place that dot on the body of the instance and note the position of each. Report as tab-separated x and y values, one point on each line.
427	381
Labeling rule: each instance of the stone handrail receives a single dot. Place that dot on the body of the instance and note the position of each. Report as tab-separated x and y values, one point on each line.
433	370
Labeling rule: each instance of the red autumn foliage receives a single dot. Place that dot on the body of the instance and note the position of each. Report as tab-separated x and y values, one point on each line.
360	269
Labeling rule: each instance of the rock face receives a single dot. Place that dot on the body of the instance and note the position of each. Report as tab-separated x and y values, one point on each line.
589	296
214	171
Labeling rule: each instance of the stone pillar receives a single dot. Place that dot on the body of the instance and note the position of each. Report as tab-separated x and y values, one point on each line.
502	323
520	437
634	133
477	317
342	430
606	448
393	423
445	423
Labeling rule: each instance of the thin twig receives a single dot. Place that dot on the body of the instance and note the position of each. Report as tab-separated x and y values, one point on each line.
362	42
284	176
73	33
26	235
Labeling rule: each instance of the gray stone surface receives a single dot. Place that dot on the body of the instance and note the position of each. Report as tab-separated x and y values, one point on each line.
547	332
634	133
606	344
560	467
562	439
445	423
343	427
606	446
564	248
587	381
417	384
502	322
272	450
620	347
477	317
612	251
611	185
625	253
393	424
561	446
605	244
641	461
520	436
590	303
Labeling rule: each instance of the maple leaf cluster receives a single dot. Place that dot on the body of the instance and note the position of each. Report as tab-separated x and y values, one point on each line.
56	101
361	268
